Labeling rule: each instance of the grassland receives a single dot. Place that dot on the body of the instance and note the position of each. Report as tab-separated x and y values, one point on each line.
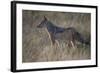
36	46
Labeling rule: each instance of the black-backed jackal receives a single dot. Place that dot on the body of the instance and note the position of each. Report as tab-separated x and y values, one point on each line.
70	35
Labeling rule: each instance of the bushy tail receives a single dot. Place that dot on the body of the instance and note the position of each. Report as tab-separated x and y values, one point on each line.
80	38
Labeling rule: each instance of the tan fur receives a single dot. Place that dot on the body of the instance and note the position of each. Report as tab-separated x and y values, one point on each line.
49	36
73	45
53	41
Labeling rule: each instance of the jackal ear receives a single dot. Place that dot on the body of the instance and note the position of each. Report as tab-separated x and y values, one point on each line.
45	18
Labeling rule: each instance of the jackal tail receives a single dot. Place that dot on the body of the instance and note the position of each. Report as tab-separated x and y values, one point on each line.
80	38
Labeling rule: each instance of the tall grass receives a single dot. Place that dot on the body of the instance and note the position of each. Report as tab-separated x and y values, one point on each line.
36	46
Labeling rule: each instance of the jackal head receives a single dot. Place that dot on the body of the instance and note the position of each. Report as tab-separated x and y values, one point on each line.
43	23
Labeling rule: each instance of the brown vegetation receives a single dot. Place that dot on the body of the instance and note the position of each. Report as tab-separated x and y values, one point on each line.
36	44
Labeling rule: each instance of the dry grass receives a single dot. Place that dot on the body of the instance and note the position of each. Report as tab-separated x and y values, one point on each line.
47	53
36	44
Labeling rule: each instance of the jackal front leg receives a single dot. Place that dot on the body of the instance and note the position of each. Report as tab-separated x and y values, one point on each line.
73	44
52	39
57	42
